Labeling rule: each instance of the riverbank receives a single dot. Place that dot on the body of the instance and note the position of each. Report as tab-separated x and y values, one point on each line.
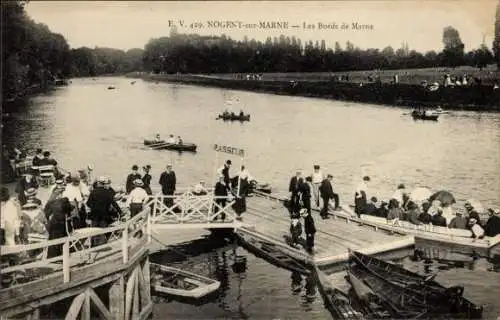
474	98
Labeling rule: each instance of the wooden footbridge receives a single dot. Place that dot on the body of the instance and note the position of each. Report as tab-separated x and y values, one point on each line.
104	272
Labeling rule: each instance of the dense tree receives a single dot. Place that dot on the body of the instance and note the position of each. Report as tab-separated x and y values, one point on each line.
496	40
453	52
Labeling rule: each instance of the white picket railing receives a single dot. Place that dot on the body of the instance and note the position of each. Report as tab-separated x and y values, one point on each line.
76	249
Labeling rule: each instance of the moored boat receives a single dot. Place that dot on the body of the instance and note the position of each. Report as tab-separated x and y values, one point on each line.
401	275
336	301
161	144
371	304
408	299
180	283
232	117
271	253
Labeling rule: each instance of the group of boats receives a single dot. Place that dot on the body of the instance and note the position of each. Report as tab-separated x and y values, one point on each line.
380	289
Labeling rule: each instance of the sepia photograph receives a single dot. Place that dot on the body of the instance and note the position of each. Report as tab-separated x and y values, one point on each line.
250	160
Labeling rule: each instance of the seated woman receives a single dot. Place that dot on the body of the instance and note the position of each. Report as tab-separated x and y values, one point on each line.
413	213
458	222
395	213
438	219
425	217
371	207
492	227
200	189
477	230
383	211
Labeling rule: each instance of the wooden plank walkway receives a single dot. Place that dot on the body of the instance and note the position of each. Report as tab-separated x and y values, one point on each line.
333	238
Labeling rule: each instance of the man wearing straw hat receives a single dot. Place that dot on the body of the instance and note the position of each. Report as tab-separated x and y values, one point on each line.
136	198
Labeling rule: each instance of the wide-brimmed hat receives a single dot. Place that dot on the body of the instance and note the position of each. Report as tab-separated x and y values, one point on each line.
30	206
494	210
30	192
59	182
138	182
472	220
460	211
147	167
135	167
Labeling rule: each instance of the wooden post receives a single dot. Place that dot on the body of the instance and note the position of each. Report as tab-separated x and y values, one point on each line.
149	227
117	298
136	302
66	268
125	243
86	306
129	294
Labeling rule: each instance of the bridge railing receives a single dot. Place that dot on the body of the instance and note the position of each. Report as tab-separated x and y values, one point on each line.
191	208
24	263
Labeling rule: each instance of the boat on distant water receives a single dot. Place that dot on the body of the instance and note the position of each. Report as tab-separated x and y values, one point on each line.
335	300
440	110
111	87
271	253
177	282
161	144
425	115
234	117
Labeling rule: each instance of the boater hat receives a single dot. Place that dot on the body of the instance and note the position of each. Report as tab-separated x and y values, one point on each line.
30	192
138	182
303	212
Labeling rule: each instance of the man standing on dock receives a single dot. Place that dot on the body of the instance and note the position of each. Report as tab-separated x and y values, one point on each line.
327	193
317	178
168	181
134	175
294	189
360	197
224	171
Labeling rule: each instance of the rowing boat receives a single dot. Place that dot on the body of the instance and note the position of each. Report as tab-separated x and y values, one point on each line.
371	304
180	283
160	145
336	301
401	275
234	117
423	115
271	253
410	295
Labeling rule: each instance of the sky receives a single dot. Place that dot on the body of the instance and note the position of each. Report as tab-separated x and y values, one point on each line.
130	24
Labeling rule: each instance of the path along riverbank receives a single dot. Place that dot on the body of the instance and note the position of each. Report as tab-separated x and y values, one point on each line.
474	98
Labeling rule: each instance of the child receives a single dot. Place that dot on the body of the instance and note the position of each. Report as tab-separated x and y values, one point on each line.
295	229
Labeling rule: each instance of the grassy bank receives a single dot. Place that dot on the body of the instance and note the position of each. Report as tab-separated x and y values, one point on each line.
408	92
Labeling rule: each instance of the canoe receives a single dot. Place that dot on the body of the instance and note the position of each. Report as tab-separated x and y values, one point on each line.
271	253
180	283
371	304
336	301
234	118
418	115
408	299
397	274
160	145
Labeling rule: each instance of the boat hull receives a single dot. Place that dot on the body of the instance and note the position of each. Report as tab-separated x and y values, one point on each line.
162	145
422	116
234	118
336	301
267	251
199	286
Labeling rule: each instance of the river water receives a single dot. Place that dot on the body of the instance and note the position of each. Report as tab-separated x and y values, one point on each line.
85	123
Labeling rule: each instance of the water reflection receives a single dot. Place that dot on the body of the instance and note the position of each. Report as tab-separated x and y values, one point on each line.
296	283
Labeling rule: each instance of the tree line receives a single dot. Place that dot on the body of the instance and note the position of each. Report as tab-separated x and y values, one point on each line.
33	56
192	53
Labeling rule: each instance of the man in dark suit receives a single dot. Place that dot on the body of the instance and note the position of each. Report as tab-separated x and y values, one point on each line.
294	189
167	182
134	175
327	193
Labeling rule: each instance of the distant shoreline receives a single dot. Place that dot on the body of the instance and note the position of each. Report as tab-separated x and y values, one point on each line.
473	98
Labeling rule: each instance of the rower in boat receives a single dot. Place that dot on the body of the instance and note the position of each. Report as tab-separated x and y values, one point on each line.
171	139
179	140
157	138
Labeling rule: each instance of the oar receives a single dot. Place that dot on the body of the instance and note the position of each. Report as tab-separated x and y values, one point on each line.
161	145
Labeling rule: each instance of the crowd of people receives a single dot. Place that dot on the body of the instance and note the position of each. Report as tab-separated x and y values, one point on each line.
317	190
401	207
